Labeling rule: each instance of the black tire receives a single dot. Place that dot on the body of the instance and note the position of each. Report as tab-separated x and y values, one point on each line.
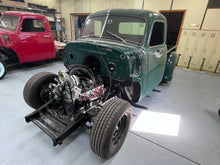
219	112
36	89
110	127
3	69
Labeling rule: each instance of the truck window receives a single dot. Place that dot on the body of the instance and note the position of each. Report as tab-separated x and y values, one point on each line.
32	25
132	28
157	36
93	27
9	22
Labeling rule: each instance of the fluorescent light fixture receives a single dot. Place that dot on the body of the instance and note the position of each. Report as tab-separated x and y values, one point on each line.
158	123
194	25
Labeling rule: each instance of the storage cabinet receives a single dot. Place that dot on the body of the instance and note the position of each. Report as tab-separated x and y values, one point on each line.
203	48
181	49
190	47
200	47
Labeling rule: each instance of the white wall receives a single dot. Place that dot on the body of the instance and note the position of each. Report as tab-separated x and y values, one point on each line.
195	10
212	20
156	5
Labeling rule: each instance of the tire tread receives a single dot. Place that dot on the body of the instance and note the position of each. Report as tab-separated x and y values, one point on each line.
32	85
103	123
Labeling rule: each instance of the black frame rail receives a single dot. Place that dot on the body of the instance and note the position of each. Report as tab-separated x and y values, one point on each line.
56	129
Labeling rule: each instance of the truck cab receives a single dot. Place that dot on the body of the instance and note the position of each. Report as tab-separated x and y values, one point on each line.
25	37
126	45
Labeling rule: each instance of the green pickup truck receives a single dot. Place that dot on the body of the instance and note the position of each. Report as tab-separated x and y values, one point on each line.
119	58
128	46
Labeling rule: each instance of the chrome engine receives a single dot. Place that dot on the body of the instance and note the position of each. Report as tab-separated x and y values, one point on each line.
75	90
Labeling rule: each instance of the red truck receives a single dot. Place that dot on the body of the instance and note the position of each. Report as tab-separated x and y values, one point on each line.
24	37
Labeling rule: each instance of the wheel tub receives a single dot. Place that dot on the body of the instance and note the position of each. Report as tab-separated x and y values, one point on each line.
77	52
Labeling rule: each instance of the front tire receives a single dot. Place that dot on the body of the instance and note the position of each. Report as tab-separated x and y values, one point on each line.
110	127
3	69
36	91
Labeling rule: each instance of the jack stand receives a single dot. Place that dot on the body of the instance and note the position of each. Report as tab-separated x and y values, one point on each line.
203	61
178	59
216	66
190	58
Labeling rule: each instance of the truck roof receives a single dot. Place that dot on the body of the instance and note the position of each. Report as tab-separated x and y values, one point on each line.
20	13
149	15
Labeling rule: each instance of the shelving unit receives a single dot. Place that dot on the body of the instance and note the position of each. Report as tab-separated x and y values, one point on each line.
9	7
58	34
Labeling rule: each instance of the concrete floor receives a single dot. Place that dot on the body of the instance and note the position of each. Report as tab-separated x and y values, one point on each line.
194	96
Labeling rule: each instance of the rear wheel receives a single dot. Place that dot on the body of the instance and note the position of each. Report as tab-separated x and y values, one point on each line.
3	69
36	90
110	127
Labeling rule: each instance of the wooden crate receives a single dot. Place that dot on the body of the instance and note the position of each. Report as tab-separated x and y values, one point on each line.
13	3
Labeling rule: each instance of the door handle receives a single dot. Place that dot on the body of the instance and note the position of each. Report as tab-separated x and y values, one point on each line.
159	53
46	36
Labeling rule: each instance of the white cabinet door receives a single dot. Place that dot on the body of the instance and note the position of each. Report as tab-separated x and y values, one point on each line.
210	50
214	55
190	48
199	49
181	48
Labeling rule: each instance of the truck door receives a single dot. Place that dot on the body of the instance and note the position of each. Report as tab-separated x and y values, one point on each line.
156	54
36	42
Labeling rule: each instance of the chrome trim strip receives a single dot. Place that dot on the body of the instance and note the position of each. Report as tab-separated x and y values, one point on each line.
105	23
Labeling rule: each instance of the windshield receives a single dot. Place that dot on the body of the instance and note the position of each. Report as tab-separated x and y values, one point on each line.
126	29
9	22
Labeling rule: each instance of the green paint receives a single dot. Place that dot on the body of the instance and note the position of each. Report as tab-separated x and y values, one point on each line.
134	62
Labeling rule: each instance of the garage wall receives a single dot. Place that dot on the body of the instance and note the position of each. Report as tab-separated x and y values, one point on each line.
70	6
156	5
196	40
195	11
211	21
89	6
200	38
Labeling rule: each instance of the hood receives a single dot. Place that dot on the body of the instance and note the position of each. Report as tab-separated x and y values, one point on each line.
3	30
112	49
